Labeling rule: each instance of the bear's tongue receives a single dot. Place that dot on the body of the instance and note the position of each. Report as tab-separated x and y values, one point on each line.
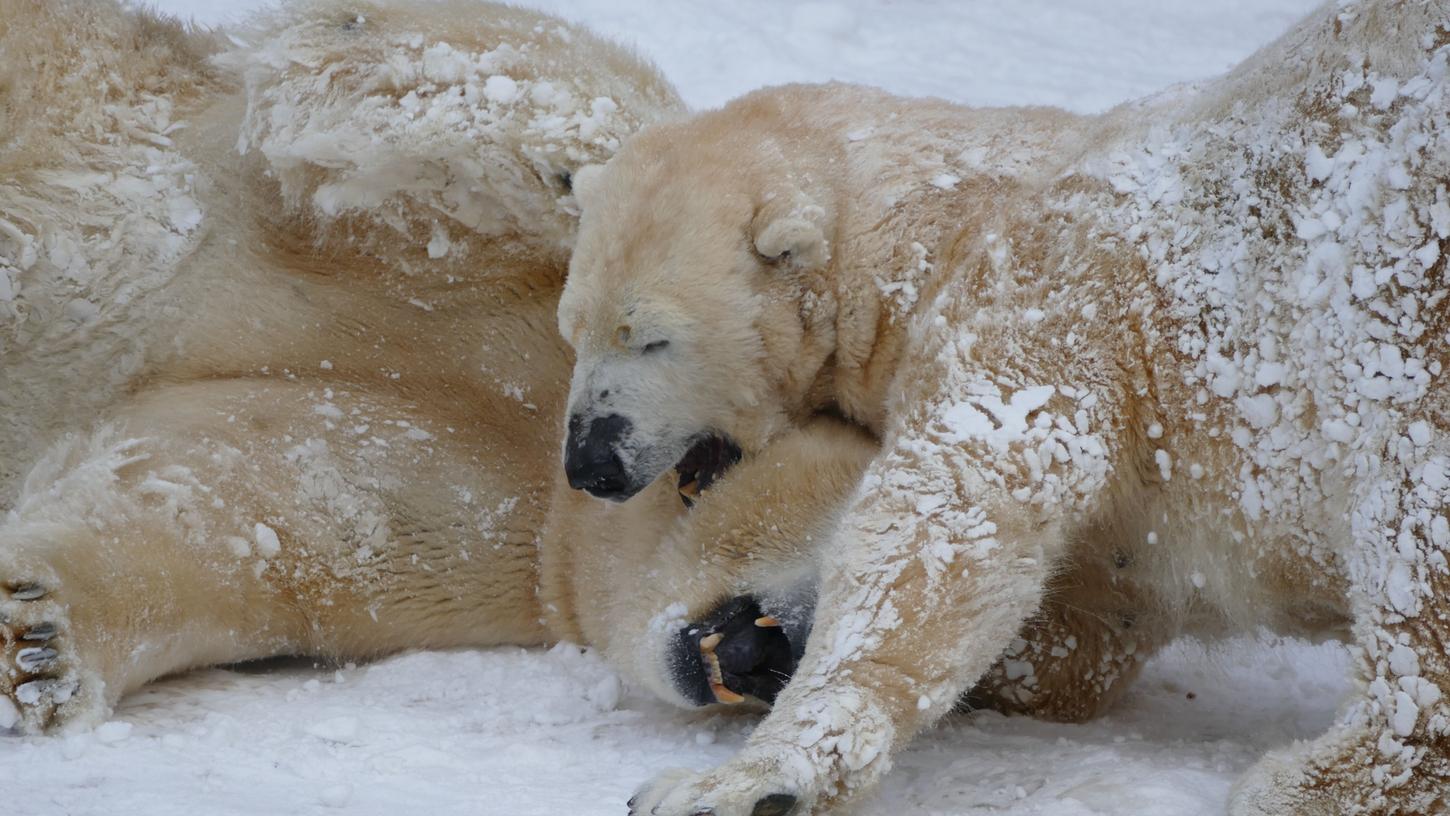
703	464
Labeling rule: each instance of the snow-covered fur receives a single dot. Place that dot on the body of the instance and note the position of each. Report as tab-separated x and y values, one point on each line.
278	365
1178	367
98	207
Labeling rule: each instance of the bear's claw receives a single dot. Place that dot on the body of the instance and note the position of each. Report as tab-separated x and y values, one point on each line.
41	682
27	592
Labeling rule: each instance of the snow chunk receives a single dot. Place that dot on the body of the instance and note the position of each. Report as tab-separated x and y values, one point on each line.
268	544
113	732
1165	463
987	417
439	244
945	181
500	89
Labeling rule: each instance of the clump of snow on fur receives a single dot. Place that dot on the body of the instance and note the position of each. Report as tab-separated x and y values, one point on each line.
438	137
1310	341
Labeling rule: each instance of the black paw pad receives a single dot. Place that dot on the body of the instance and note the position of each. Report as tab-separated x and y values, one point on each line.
738	651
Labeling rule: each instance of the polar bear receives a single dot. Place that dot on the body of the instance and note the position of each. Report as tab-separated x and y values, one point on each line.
1179	366
279	369
281	373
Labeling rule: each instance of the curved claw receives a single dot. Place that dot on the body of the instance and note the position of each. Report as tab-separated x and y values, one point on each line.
35	658
28	592
41	632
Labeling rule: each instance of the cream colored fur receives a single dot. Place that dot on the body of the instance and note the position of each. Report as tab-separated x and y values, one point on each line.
279	369
282	371
1178	366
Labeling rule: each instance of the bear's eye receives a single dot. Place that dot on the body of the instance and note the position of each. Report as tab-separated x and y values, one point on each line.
658	345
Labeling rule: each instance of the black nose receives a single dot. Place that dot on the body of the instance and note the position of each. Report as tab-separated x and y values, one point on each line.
591	458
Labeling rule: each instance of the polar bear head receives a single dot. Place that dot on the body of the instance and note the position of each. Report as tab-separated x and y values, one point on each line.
694	301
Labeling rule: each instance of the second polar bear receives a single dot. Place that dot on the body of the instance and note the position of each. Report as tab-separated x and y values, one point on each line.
1181	364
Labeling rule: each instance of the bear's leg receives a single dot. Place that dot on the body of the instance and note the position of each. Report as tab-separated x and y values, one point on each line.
1389	752
233	520
1067	665
647	581
933	571
102	589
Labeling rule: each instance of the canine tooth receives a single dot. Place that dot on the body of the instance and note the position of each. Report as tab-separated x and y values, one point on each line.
767	622
725	695
709	642
692	489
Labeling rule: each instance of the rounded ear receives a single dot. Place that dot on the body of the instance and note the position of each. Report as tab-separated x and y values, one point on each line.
792	234
585	184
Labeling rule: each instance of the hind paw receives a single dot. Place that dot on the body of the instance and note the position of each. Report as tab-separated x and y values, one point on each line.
42	687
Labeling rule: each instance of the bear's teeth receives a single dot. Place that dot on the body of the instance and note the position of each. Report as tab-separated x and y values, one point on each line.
712	664
767	622
709	642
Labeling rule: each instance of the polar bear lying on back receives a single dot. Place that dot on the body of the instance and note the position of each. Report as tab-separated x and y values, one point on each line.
1179	367
305	398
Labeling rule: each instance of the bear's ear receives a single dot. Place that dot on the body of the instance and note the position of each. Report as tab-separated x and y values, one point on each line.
585	184
790	232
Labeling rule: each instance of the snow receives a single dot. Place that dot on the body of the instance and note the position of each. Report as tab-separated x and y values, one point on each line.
542	732
531	733
1084	55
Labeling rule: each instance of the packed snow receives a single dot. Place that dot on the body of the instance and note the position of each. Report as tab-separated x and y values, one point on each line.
543	732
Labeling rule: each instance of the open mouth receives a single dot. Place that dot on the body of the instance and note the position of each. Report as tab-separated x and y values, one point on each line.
703	464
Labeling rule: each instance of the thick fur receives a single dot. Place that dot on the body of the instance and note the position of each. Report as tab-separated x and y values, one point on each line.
1179	367
280	372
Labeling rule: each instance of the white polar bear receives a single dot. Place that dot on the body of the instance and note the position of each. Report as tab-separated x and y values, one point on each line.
281	373
1179	366
278	367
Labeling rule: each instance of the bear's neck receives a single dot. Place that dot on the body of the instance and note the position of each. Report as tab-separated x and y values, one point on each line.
901	199
888	265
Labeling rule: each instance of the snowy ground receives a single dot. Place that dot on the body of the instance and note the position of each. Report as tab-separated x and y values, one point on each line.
533	733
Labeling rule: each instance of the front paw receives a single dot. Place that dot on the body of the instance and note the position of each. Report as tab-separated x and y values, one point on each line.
757	784
738	651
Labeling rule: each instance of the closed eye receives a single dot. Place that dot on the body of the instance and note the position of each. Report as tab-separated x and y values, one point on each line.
658	345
